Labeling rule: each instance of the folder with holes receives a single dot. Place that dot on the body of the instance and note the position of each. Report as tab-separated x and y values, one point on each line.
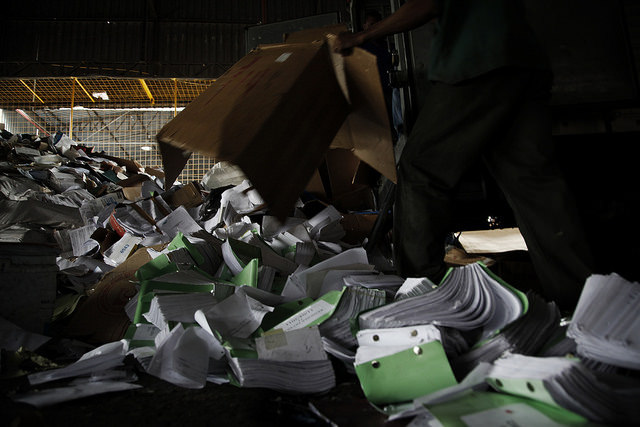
399	364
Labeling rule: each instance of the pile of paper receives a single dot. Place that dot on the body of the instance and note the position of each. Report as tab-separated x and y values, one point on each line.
567	383
431	334
55	199
605	324
469	297
205	286
527	335
228	299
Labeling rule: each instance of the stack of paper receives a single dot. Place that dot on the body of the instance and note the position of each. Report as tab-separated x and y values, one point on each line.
605	324
390	283
182	356
293	361
568	384
325	226
313	376
179	307
468	298
527	335
354	300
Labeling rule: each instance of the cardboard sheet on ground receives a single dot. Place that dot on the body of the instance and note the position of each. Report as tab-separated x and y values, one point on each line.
276	112
101	318
492	241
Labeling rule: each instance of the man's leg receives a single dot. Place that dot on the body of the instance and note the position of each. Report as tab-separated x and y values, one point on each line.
524	166
454	128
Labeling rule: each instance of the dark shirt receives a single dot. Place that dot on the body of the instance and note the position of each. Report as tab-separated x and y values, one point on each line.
477	36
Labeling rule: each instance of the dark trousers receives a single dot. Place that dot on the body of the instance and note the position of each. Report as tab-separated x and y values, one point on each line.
503	118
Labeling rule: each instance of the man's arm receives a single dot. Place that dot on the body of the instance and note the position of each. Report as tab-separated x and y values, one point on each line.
410	15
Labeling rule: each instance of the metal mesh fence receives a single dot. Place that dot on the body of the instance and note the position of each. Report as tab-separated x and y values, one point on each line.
126	133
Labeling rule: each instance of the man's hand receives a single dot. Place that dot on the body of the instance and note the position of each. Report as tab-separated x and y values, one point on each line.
410	15
346	41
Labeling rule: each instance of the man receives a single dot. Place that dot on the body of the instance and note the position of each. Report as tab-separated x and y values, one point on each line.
488	100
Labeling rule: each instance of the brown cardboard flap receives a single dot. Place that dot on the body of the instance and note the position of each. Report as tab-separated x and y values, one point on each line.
188	196
133	193
154	172
173	160
367	130
274	114
101	317
131	165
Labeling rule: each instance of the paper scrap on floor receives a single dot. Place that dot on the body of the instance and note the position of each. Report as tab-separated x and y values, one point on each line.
492	241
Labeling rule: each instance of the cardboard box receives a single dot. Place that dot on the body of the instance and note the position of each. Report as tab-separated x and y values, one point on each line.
131	166
101	317
277	111
346	182
188	196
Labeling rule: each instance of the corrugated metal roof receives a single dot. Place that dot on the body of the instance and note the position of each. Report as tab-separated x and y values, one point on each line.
247	11
160	38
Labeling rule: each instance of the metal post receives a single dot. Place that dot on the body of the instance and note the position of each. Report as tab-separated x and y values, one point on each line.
73	96
175	97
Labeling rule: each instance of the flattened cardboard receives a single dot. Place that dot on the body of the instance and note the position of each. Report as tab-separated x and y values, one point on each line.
357	227
131	165
366	131
188	196
101	317
274	114
132	193
154	172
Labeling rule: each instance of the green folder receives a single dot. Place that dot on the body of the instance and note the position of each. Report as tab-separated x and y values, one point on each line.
313	314
489	408
181	241
156	267
163	265
149	288
406	375
248	276
284	311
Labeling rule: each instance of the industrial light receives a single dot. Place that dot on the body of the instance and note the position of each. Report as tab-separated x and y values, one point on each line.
146	148
101	95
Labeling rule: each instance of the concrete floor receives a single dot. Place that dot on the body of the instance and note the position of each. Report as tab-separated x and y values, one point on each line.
160	403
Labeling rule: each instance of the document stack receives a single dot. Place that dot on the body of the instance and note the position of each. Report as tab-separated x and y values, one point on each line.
605	324
292	361
568	384
401	353
527	335
469	298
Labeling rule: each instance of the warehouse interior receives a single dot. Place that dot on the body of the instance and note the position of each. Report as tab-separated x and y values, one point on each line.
111	75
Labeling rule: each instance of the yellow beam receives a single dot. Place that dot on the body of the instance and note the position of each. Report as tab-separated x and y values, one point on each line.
175	97
84	90
73	100
31	90
146	90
